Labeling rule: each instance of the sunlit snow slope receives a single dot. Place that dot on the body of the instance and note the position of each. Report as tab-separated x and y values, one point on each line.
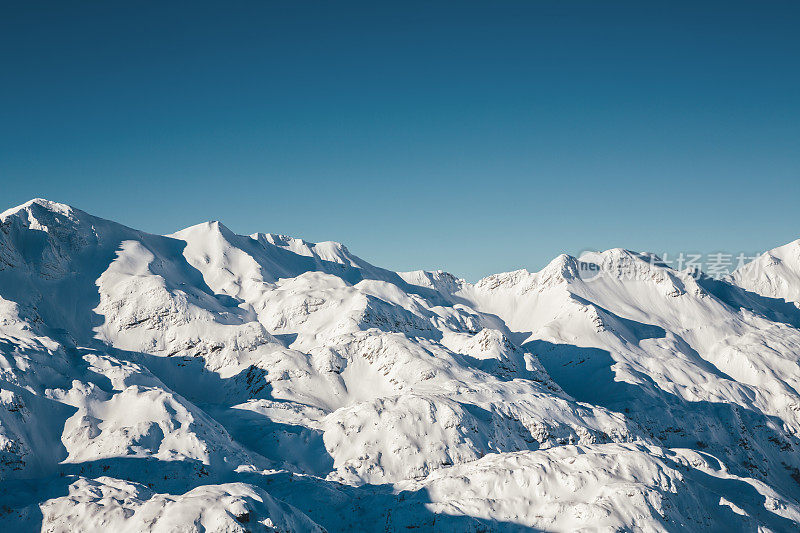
208	381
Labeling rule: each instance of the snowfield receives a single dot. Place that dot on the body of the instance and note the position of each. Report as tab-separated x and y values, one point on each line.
208	381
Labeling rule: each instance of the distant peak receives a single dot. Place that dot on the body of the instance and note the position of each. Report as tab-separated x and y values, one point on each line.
41	213
617	255
41	204
505	279
208	227
566	269
280	240
439	280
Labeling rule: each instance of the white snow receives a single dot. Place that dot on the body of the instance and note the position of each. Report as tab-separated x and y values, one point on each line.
208	381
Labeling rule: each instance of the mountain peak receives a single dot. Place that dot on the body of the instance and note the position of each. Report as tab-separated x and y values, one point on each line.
40	204
775	274
208	228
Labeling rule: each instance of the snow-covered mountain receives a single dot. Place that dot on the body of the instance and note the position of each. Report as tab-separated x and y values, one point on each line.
208	381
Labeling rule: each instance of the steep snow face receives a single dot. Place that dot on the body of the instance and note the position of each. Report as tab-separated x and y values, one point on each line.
775	274
208	381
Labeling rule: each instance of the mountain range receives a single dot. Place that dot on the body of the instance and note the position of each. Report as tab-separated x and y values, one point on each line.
209	381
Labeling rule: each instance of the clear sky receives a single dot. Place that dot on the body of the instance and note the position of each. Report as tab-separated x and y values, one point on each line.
475	137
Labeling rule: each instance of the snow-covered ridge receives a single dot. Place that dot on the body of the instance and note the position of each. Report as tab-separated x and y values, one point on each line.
224	382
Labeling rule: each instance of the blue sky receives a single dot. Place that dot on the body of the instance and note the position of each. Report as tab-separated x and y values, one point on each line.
475	137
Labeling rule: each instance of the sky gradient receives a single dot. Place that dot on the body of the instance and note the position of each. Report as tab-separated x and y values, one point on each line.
471	137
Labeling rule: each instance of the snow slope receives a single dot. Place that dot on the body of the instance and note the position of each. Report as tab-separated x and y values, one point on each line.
208	381
775	274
